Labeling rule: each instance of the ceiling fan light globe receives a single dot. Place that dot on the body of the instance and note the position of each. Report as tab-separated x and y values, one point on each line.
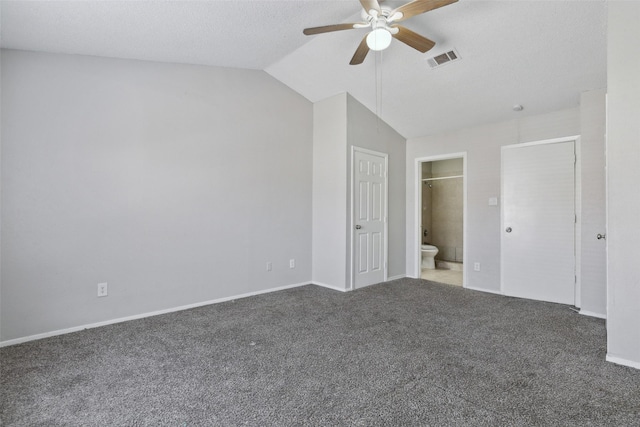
379	39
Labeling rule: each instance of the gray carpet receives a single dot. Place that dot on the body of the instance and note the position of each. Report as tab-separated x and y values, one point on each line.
409	352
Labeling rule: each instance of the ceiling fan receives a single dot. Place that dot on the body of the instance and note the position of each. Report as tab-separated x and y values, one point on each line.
382	21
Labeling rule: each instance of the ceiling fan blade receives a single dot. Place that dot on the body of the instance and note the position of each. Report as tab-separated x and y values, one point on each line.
413	39
361	53
417	7
368	5
328	28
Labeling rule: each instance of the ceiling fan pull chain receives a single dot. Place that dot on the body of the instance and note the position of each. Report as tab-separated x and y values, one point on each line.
380	115
377	84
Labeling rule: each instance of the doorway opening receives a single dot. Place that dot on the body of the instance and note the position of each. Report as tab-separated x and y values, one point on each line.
441	220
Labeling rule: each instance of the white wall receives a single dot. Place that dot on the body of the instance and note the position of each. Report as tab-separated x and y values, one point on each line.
482	145
623	177
173	183
593	272
330	192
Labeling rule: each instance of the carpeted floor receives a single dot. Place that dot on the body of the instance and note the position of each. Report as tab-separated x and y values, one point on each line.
408	352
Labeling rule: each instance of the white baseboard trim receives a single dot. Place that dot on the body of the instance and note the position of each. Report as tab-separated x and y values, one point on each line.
489	291
399	276
624	362
143	315
592	314
324	285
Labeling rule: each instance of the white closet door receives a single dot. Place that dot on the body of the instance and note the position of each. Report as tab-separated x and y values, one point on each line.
370	199
538	227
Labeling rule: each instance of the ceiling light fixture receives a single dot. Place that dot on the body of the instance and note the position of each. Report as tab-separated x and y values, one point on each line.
517	107
379	39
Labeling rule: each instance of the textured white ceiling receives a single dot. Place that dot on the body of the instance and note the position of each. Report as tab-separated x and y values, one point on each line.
239	33
541	54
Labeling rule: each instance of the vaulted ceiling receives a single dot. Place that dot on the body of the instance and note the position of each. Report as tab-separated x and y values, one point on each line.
541	54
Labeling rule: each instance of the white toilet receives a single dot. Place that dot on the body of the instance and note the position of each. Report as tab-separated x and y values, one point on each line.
428	256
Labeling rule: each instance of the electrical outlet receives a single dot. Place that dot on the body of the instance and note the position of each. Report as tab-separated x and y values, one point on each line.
292	263
476	266
269	266
102	289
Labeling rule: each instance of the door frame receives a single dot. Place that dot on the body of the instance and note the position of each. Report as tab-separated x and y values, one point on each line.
417	237
577	207
352	234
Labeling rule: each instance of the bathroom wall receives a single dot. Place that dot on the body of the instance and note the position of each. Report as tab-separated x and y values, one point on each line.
447	211
442	204
447	223
449	167
426	204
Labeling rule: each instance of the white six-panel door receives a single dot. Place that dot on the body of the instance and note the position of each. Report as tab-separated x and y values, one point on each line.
538	227
369	218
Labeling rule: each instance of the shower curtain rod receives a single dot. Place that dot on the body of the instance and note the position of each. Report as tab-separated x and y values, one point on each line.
444	177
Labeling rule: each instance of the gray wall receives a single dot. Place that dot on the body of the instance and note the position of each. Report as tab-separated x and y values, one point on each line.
593	258
173	183
330	192
483	179
366	130
623	176
341	122
482	145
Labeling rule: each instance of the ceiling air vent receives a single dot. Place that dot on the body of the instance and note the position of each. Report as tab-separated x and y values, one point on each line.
443	58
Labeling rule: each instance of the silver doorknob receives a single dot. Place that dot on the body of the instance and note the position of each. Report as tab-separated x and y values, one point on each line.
358	227
508	230
601	236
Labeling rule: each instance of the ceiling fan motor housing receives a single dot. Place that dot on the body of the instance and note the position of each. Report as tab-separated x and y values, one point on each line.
383	23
